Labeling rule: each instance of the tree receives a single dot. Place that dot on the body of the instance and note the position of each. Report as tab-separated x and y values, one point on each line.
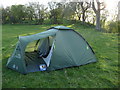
78	8
36	12
100	6
5	15
17	13
84	7
71	10
78	11
113	27
90	16
40	12
30	11
55	12
104	15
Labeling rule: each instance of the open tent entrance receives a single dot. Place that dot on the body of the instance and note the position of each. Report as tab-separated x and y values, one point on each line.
39	52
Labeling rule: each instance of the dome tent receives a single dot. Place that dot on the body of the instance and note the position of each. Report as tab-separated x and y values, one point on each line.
58	47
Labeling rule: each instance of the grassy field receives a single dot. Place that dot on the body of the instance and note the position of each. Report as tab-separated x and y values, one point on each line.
102	74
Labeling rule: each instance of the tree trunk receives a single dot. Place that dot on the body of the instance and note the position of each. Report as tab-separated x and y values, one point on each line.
93	21
97	12
98	21
79	18
83	17
30	19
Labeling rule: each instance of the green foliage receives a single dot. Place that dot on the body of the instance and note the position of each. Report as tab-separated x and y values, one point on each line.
5	15
47	21
55	12
17	13
34	13
30	22
102	74
113	27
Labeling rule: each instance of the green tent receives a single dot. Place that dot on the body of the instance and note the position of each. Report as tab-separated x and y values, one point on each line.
58	47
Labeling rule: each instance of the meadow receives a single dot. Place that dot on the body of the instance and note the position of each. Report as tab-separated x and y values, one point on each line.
102	74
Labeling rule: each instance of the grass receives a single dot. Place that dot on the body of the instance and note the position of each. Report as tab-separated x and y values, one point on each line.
102	74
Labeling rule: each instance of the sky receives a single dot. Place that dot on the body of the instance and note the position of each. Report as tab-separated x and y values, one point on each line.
111	5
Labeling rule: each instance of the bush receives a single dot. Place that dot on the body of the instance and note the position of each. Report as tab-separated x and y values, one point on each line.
113	27
47	21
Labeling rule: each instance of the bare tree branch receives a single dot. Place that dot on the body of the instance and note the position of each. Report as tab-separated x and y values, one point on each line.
88	5
103	6
93	6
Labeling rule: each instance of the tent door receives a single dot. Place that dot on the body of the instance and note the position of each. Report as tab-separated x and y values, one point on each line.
48	58
43	49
